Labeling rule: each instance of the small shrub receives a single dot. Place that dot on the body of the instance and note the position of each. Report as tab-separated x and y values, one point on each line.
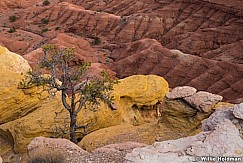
12	30
57	28
124	20
96	40
44	21
44	30
46	3
110	12
107	60
12	18
4	25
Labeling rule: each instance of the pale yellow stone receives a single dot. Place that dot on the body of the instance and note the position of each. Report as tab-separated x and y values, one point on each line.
14	102
141	90
39	122
220	104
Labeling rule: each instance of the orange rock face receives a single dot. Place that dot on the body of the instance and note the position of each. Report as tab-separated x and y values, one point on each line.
137	37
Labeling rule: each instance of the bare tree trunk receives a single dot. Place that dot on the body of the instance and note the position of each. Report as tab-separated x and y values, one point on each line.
73	116
73	124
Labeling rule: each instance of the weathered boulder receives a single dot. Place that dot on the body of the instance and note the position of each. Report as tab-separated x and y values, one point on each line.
225	136
57	150
119	134
64	151
37	123
217	117
15	102
141	90
220	115
238	111
223	141
181	92
178	115
203	101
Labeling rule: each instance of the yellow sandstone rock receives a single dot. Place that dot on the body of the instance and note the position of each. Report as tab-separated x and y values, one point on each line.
36	123
131	95
14	102
141	90
179	116
138	92
220	104
119	134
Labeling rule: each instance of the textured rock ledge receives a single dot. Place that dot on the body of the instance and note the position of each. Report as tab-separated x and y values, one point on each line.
221	136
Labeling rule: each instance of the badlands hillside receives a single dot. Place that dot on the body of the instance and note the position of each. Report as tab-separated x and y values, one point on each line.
196	43
180	66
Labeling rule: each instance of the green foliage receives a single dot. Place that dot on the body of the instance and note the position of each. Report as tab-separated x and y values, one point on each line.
44	30
46	2
12	18
110	12
44	21
4	25
96	40
12	30
124	20
107	60
57	28
34	78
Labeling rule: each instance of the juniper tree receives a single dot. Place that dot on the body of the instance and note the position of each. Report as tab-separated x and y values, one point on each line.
77	88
